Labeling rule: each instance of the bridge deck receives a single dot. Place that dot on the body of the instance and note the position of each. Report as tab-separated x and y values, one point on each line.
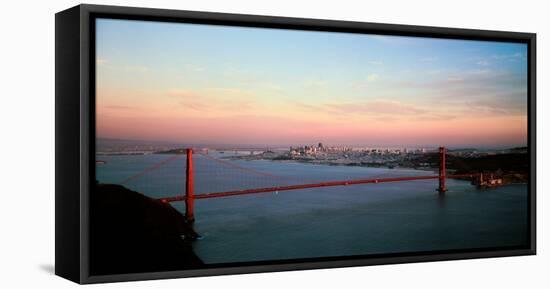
310	185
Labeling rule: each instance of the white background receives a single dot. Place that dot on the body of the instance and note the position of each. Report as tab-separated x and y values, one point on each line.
27	144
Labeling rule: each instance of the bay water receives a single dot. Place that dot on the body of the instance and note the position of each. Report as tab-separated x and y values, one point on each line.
323	222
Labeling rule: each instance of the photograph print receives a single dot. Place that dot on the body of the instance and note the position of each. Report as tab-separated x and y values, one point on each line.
222	146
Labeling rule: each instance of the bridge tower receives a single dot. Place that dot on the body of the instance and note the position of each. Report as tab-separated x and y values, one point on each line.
189	188
442	170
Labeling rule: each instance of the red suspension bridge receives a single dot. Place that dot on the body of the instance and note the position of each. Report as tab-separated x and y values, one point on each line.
189	196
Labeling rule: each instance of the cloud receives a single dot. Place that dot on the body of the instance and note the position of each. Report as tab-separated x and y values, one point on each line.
190	100
454	79
315	83
429	59
214	100
101	61
136	68
366	81
499	106
119	107
436	117
483	63
381	110
372	77
477	72
454	101
181	93
193	67
513	56
309	107
476	83
377	107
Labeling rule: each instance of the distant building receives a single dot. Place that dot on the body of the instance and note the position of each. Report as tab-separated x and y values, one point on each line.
487	181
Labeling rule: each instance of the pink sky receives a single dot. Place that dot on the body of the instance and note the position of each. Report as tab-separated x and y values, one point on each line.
172	82
189	118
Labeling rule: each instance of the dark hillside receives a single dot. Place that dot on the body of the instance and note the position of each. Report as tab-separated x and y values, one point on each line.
506	163
131	233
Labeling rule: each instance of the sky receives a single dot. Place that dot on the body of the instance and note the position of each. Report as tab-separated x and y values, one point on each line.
219	85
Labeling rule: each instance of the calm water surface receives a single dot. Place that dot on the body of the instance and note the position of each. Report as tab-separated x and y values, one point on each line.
321	222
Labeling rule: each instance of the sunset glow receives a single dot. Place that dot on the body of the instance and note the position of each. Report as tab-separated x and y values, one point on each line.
204	84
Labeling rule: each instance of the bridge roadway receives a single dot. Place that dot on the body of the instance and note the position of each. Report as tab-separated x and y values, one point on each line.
310	185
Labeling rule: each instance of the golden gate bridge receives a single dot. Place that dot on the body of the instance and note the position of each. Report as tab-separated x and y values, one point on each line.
189	195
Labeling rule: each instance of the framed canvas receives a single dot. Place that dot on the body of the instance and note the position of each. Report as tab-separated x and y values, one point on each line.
194	143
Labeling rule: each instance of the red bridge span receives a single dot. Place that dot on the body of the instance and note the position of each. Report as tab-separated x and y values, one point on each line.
189	197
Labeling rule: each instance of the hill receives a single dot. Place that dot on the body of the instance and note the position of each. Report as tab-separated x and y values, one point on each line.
131	233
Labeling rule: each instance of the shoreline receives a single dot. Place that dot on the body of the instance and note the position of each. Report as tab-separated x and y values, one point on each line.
493	165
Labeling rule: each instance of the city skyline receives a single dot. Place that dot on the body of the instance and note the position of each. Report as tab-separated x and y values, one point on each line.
190	83
133	143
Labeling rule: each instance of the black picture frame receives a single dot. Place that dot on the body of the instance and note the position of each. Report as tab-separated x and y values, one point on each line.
75	135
